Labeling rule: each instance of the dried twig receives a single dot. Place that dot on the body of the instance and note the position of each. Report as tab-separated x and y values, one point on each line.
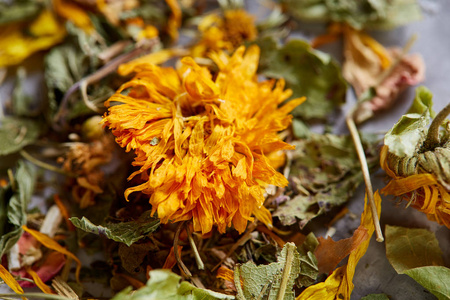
366	174
177	253
198	259
432	140
244	238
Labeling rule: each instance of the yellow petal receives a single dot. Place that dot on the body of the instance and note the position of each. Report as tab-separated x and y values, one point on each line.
70	11
402	186
378	49
16	44
10	281
339	284
225	273
52	244
326	290
174	20
38	281
155	58
346	286
264	215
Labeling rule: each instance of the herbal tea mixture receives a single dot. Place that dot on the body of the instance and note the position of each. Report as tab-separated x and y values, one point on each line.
185	149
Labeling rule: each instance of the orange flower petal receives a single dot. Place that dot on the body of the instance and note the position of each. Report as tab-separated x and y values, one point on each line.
402	186
10	281
38	281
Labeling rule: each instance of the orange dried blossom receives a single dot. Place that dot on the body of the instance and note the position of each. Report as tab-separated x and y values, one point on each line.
414	179
201	141
423	176
225	32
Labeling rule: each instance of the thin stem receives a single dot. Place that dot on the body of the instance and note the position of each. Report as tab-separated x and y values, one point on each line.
263	291
286	270
12	180
237	284
44	165
101	73
177	253
432	140
241	241
198	259
366	174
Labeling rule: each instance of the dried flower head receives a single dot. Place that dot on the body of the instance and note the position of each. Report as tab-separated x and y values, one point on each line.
225	32
201	142
85	159
423	178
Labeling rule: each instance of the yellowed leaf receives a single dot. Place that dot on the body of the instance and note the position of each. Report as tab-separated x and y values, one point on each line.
70	11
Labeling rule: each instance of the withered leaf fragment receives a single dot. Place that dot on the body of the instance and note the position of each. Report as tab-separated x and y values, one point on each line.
308	72
163	284
123	232
268	279
13	206
409	248
325	172
416	253
381	14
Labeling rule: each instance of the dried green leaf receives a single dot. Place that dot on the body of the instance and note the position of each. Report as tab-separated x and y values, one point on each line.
132	256
21	102
325	171
405	137
67	64
14	204
375	297
263	280
123	232
163	284
436	279
18	10
383	14
409	248
16	133
309	269
307	72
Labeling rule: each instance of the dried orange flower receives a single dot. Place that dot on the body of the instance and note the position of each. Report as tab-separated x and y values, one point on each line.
85	159
415	181
201	141
225	33
420	166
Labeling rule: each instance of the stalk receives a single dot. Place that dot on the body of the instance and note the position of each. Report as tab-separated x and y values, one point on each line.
366	174
432	140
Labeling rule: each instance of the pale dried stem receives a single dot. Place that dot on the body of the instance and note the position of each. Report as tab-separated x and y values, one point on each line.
286	271
366	174
237	284
240	242
198	259
177	253
44	165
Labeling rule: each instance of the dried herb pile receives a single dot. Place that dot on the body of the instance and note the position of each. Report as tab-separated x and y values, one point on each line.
187	150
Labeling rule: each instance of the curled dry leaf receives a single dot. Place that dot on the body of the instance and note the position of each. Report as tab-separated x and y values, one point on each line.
369	65
339	284
329	253
419	167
